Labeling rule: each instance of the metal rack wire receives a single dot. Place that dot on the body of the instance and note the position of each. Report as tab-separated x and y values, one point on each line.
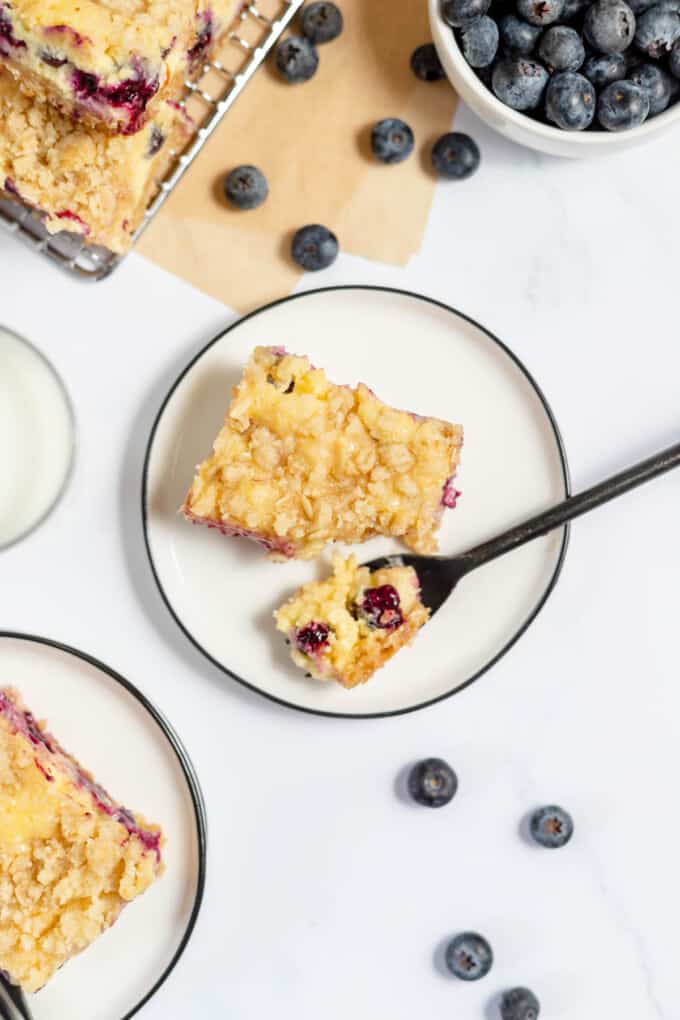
222	82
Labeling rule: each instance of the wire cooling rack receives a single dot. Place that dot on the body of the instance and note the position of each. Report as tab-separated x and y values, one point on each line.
210	96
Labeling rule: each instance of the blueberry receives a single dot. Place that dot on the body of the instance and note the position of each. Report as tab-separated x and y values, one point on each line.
519	83
609	26
551	826
658	85
674	61
621	106
314	247
392	140
432	783
540	12
469	956
455	156
570	101
381	607
321	22
425	63
519	1004
657	31
604	68
457	13
518	37
246	187
479	41
297	59
561	49
312	638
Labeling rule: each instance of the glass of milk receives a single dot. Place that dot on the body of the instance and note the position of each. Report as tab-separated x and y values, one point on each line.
37	438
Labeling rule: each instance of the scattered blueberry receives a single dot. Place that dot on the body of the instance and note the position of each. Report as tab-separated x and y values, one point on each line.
314	247
609	26
297	59
540	12
246	187
622	106
312	638
519	1004
551	826
479	41
455	156
604	68
392	140
425	63
657	84
457	13
432	783
518	38
561	49
519	83
570	101
469	956
381	607
321	22
674	60
657	31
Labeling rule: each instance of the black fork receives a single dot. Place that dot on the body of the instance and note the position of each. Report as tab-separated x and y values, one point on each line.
439	575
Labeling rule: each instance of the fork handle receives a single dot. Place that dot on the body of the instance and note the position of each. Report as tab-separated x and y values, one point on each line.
573	507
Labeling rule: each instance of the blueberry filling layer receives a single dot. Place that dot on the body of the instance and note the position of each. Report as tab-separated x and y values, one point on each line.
66	214
381	607
204	38
312	638
132	94
24	722
156	142
8	40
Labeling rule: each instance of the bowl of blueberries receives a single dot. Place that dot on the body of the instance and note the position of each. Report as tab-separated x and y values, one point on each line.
568	77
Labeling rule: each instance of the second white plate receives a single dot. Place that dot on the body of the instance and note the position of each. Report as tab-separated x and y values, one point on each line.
416	354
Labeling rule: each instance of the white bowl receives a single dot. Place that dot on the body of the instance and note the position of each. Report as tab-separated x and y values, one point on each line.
520	128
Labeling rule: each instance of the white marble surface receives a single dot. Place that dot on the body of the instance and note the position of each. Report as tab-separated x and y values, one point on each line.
327	895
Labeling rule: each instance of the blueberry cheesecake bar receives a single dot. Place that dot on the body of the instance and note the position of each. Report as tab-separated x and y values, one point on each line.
86	182
70	857
301	462
348	626
110	64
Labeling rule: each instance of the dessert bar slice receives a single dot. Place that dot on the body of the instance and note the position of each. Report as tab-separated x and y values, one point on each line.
301	462
70	857
110	63
347	627
83	181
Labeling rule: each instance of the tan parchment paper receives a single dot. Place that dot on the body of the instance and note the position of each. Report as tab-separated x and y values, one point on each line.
312	141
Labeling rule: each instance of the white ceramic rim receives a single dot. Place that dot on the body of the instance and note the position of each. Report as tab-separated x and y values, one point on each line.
444	38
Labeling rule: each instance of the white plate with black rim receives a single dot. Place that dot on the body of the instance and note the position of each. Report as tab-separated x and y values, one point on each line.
416	353
118	735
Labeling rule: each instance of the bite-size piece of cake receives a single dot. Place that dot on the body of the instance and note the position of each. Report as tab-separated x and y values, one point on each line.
83	181
301	462
70	857
109	63
348	626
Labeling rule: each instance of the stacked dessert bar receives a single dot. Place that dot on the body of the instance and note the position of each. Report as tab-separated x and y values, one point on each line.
89	111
